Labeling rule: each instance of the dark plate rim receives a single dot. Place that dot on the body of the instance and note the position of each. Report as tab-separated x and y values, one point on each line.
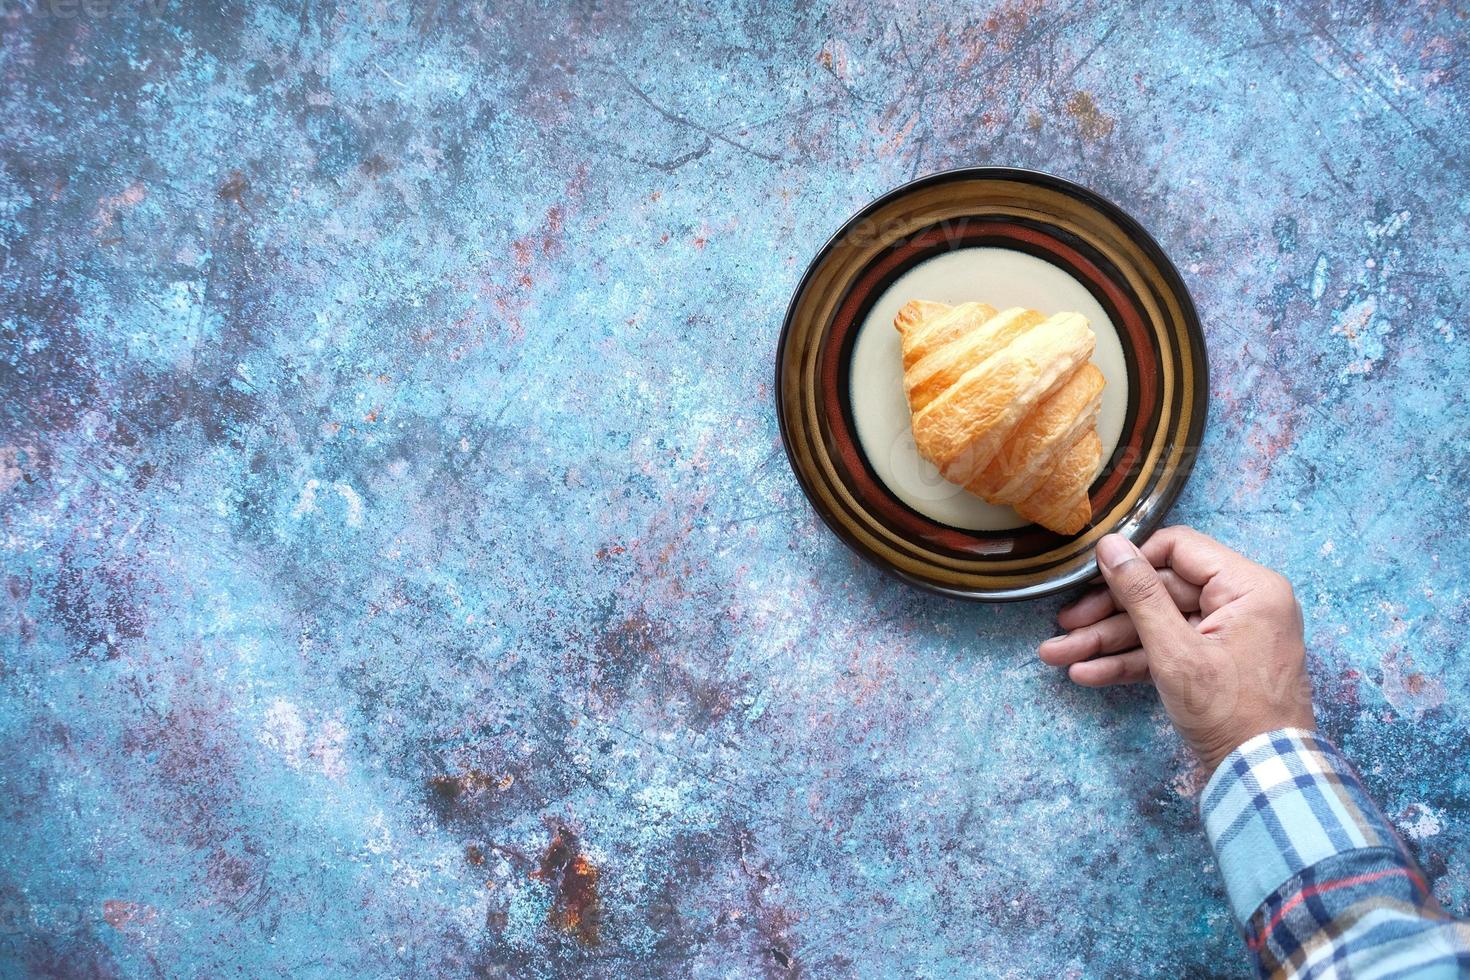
1199	363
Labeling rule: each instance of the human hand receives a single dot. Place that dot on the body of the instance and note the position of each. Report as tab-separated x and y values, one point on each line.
1219	636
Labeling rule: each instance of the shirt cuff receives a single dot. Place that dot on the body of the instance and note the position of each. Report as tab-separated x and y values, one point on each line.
1279	804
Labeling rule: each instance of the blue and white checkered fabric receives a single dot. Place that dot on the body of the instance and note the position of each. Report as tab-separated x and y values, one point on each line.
1318	880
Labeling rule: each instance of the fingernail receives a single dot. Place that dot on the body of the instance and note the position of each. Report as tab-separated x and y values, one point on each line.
1114	550
1054	640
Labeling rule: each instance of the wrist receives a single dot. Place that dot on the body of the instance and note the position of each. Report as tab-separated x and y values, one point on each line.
1213	752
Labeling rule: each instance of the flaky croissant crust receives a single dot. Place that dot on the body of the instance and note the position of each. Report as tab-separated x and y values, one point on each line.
1005	403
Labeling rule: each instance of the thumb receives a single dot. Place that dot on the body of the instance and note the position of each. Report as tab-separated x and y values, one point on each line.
1140	592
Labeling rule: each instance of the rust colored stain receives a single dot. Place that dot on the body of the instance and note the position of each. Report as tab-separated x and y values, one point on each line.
469	781
577	907
120	915
1092	123
234	189
551	235
633	641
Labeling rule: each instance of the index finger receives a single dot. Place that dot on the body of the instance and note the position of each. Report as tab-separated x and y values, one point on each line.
1100	603
1195	557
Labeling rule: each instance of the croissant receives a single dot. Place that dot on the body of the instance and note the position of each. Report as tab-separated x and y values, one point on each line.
1027	458
1005	404
1061	503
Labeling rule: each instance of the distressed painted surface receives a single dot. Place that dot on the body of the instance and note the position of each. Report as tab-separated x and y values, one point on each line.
402	574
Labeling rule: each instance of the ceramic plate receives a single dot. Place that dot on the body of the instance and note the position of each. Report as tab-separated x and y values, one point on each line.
1008	238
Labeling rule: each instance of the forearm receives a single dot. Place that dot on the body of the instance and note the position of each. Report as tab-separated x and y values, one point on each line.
1316	876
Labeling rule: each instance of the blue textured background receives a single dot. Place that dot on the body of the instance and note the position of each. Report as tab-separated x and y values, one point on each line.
402	574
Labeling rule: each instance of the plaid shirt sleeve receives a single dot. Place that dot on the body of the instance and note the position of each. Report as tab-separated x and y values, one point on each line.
1317	879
